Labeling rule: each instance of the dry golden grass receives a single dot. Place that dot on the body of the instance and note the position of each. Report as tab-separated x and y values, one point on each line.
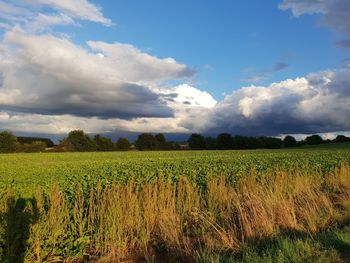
124	222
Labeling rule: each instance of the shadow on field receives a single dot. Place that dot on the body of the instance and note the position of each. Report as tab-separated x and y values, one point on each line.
15	228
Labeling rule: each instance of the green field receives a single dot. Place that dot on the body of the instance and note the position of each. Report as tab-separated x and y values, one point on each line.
70	222
26	172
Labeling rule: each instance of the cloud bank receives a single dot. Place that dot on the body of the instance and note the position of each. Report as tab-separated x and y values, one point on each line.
49	75
317	103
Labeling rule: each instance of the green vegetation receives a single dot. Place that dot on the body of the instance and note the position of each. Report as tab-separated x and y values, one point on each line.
79	141
184	206
8	142
30	140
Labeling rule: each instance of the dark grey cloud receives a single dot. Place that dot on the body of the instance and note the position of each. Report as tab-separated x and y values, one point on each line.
141	103
280	66
263	75
345	43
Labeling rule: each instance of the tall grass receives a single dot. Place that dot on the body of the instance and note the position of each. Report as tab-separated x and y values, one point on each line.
164	220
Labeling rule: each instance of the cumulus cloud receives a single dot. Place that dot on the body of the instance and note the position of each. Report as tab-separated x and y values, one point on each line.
47	74
131	64
48	83
184	95
335	13
317	103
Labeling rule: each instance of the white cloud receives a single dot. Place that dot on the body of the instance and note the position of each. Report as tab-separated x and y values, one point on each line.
63	12
10	10
132	64
300	7
317	103
187	96
5	26
43	21
81	9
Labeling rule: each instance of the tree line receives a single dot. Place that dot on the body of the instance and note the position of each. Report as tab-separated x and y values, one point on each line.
79	141
226	141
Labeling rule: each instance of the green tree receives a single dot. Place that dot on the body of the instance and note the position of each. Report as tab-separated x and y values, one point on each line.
269	142
197	142
225	141
314	139
123	144
289	141
342	138
80	141
161	142
103	143
211	143
8	142
146	141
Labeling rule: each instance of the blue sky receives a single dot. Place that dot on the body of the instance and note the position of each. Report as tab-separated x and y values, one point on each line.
227	43
247	67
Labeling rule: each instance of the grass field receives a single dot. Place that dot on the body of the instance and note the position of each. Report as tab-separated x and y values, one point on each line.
186	206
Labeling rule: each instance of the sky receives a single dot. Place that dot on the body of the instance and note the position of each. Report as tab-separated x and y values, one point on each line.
249	67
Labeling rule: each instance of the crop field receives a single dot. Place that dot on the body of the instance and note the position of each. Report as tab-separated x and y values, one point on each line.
24	173
180	206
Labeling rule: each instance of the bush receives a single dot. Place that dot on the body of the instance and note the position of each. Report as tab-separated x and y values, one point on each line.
28	140
37	146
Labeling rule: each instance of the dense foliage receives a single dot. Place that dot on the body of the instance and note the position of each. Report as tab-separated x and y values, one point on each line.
79	141
226	141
